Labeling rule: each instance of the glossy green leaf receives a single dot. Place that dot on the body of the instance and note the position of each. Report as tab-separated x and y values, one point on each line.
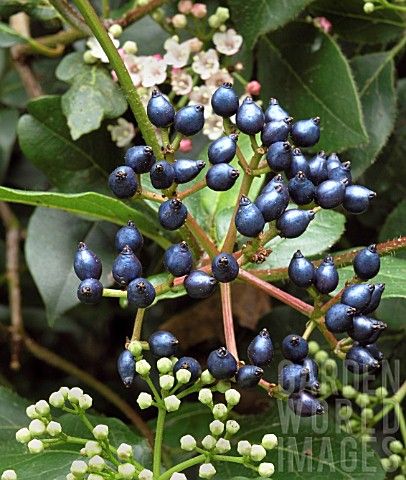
395	225
12	92
306	70
38	9
8	122
92	97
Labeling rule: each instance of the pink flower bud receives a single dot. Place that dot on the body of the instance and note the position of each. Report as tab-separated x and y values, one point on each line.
199	10
185	145
324	24
114	76
253	88
185	6
121	52
158	56
195	44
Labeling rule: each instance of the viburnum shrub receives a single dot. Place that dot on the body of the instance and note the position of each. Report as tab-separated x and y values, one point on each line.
262	187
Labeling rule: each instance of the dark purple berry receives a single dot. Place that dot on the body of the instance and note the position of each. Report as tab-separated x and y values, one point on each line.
172	214
90	291
342	172
339	317
301	270
190	364
140	158
260	350
358	296
221	364
295	348
318	168
249	220
330	193
275	111
301	189
189	120
224	267
221	177
365	330
141	293
126	267
312	380
223	149
163	344
178	259
276	180
293	377
162	175
273	203
225	101
126	367
326	276
250	117
129	235
357	199
333	162
276	131
306	133
86	263
248	376
123	182
160	111
292	223
278	156
187	170
375	298
375	352
305	404
359	360
298	163
199	284
367	263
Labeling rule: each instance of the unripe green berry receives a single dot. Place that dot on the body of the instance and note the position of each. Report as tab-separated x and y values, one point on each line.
269	441
101	432
124	451
142	367
207	470
9	475
257	453
164	365
188	443
145	475
345	411
222	446
266	469
349	391
97	463
220	411
216	427
232	397
144	400
116	30
37	427
381	392
172	403
314	347
321	356
23	435
395	460
166	382
54	429
78	467
369	7
74	395
207	378
232	427
57	400
42	407
35	446
85	402
206	396
362	400
127	471
396	446
209	442
223	386
92	448
183	376
244	448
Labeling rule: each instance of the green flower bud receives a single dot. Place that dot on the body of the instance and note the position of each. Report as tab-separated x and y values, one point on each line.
36	427
164	365
92	448
321	356
349	392
145	475
269	441
183	376
97	463
216	427
381	392
345	411
64	391
232	397
266	469
130	48
144	400
9	475
94	476
57	400
188	443
172	403
330	365
23	435
365	438
209	442
257	453
369	7
70	476
116	30
367	414
362	400
232	427
142	367
214	21
126	470
206	396
396	446
222	446
35	446
78	467
85	401
220	411
223	13
124	451
42	407
166	382
135	347
74	395
179	20
395	460
207	378
101	432
207	470
54	429
386	465
400	477
223	386
314	347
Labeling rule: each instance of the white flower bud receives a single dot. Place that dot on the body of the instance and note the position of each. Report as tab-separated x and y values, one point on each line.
232	427
172	403
220	411
70	476
183	376
57	400
166	382
134	347
116	30
9	475
42	407
142	367
145	475
37	427
85	401
78	467
126	470
223	386
164	365
97	463
23	435
232	397
207	470
124	451
101	432
188	443
64	391
266	469
94	476
206	396
130	48
269	441
257	453
216	427
178	476
244	448
179	20
209	442
144	400
31	412
82	451
369	7
35	446
207	378
54	429
74	395
92	448
223	446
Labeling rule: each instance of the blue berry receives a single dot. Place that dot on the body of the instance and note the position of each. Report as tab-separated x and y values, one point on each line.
178	259
221	364
140	158
223	149
126	367
224	267
163	344
333	162
249	220
326	276
292	223
301	270
367	263
358	296
312	380
375	298
190	364
305	404
342	172
162	175
123	182
199	284
365	330
160	111
248	376
172	214
374	351
306	133
90	291
278	156
339	317
357	198
359	360
275	111
141	293
276	131
318	168
276	180
298	163
225	101
126	267
330	193
86	263
295	348
293	377
187	170
129	235
272	204
260	350
189	120
301	189
250	117
221	177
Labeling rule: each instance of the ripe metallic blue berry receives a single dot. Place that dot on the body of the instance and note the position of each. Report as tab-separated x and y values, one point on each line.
365	330
250	117
163	344
333	162
375	352
306	133
318	168
187	170
178	259
312	380
190	364
123	182
293	377
126	267
225	101
223	149
189	120
367	263
221	364
279	156
86	263
199	284
129	235
160	111
221	177
141	293
225	267
126	367
275	111
273	203
357	199
162	175
172	214
295	348
326	276
342	172
359	360
330	193
276	131
248	376
249	220
140	158
90	291
339	318
260	350
292	223
375	298
301	189
358	296
305	404
298	163
301	270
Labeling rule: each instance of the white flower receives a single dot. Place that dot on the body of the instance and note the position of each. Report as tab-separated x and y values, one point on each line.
228	42
181	82
9	475
213	127
96	49
177	53
220	77
194	44
206	64
202	96
153	71
134	66
122	133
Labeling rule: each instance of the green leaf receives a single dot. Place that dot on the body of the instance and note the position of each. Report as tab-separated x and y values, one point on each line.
12	92
306	70
9	36
374	75
8	121
161	278
263	16
395	225
92	97
38	9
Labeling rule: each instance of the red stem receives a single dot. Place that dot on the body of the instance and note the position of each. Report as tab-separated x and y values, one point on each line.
225	291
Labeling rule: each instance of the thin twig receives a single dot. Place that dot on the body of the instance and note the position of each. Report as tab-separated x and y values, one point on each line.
71	16
228	323
136	13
